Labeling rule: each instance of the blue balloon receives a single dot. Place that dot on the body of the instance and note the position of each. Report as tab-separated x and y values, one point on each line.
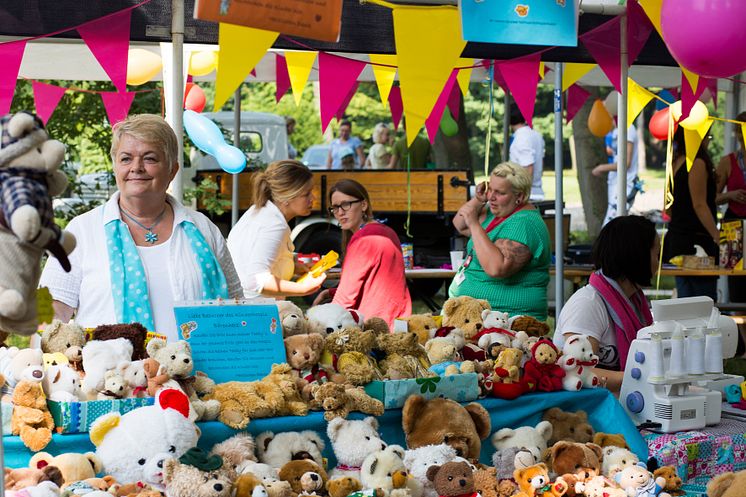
665	95
207	137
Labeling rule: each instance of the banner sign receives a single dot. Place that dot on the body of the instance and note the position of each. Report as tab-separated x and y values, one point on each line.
316	20
520	22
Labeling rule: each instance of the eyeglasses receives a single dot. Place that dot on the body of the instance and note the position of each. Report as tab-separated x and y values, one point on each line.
344	206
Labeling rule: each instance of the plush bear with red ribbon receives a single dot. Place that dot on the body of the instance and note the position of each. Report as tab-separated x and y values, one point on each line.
541	372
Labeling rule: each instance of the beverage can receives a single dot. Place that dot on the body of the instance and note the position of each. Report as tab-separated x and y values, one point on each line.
407	250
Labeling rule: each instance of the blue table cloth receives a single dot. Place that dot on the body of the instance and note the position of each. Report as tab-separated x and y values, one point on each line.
604	413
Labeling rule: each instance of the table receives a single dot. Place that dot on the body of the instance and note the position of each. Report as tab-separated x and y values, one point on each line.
604	413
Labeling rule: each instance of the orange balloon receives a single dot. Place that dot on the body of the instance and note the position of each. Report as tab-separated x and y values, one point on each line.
194	98
600	121
658	124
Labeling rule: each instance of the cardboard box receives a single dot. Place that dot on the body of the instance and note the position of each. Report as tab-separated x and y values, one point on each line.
731	244
77	417
393	393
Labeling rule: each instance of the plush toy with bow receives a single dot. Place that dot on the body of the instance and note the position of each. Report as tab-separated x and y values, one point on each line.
578	360
542	372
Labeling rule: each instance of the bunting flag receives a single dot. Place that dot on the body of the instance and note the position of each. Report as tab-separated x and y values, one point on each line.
384	74
604	45
573	71
639	28
498	77
576	98
542	70
396	106
240	49
712	85
281	77
691	78
11	54
117	105
108	39
454	100
464	76
637	98
433	120
652	9
346	102
337	75
426	58
299	68
520	77
743	134
693	139
688	95
46	98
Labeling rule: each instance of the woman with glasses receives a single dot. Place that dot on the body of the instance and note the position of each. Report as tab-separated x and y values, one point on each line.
260	242
508	254
372	279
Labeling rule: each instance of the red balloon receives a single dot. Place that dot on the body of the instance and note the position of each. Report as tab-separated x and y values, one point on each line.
194	98
659	124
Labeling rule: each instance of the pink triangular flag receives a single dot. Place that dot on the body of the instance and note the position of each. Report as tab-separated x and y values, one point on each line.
576	98
253	72
688	97
117	104
281	77
712	85
498	77
674	92
46	98
108	40
454	102
433	120
11	54
396	105
639	28
336	76
520	77
604	46
342	108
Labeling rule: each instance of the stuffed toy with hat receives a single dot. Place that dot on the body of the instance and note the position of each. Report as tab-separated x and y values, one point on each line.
196	474
542	370
29	177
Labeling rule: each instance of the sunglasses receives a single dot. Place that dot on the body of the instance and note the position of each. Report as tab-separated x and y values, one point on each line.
344	206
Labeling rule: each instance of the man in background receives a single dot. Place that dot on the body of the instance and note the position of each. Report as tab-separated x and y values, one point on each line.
527	150
417	155
633	182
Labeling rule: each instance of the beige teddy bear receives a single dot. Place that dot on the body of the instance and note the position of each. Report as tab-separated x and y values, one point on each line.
339	400
508	366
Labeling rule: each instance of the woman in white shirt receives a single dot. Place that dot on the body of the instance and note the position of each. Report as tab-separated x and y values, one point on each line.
379	154
260	242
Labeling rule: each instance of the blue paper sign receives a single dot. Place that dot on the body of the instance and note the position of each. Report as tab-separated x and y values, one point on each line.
232	341
520	22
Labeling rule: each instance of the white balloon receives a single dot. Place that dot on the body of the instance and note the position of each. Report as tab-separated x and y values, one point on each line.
611	102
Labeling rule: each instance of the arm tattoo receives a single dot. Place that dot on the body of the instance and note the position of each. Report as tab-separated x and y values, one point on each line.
516	255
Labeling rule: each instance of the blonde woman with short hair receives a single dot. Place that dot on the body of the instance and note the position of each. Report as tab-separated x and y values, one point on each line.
260	241
379	155
507	257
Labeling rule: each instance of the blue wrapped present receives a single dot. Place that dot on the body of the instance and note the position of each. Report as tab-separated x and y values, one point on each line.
77	417
393	393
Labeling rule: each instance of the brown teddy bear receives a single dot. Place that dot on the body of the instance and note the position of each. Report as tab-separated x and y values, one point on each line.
530	325
486	483
673	481
465	313
508	366
349	349
235	451
154	376
575	463
727	485
293	471
73	466
533	481
439	420
609	439
542	371
134	332
31	418
452	479
570	426
66	338
377	325
245	484
292	320
422	325
342	486
195	474
404	357
18	479
303	353
339	400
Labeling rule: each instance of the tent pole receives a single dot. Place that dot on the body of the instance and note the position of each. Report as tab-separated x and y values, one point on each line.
621	166
506	126
177	94
559	232
237	142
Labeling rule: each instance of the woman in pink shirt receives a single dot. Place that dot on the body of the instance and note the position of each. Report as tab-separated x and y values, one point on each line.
372	279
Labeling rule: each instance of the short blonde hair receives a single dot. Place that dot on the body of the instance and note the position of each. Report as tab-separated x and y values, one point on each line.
516	175
378	131
282	181
147	128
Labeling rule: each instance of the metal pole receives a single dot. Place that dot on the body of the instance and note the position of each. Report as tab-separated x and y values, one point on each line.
237	142
559	232
506	126
621	167
177	94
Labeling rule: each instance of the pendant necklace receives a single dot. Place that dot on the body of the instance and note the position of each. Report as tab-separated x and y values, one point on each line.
150	237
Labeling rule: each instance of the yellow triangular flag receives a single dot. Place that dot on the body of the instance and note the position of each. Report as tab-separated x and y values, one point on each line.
299	68
241	48
692	78
464	75
743	134
653	10
384	75
693	139
573	71
637	98
426	58
542	70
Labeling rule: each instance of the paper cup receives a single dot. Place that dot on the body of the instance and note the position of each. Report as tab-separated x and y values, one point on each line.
457	257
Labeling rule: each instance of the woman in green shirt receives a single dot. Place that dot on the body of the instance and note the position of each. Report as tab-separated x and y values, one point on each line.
508	254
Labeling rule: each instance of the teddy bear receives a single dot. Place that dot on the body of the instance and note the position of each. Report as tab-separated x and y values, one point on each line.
418	460
276	449
534	482
422	325
403	356
277	488
496	330
616	459
637	481
452	479
20	364
439	420
352	441
578	360
727	485
601	486
72	465
343	486
465	313
530	325
339	400
576	463
195	474
31	418
292	320
66	338
348	352
508	366
176	361
42	489
487	484
91	485
294	471
134	377
62	384
125	442
20	478
134	332
250	485
606	439
572	426
673	480
327	318
542	370
155	378
442	353
100	356
533	438
115	386
384	469
235	451
302	353
274	395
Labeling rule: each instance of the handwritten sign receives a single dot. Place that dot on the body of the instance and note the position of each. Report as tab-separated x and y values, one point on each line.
236	341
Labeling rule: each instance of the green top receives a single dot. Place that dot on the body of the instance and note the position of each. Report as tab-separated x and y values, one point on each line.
526	291
419	151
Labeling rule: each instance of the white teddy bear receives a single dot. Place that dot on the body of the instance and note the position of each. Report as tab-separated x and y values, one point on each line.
637	481
134	377
534	439
100	356
276	449
115	387
418	460
503	336
578	360
328	318
62	384
616	459
379	471
352	441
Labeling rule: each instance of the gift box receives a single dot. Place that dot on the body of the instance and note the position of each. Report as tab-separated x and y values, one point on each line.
77	417
393	393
